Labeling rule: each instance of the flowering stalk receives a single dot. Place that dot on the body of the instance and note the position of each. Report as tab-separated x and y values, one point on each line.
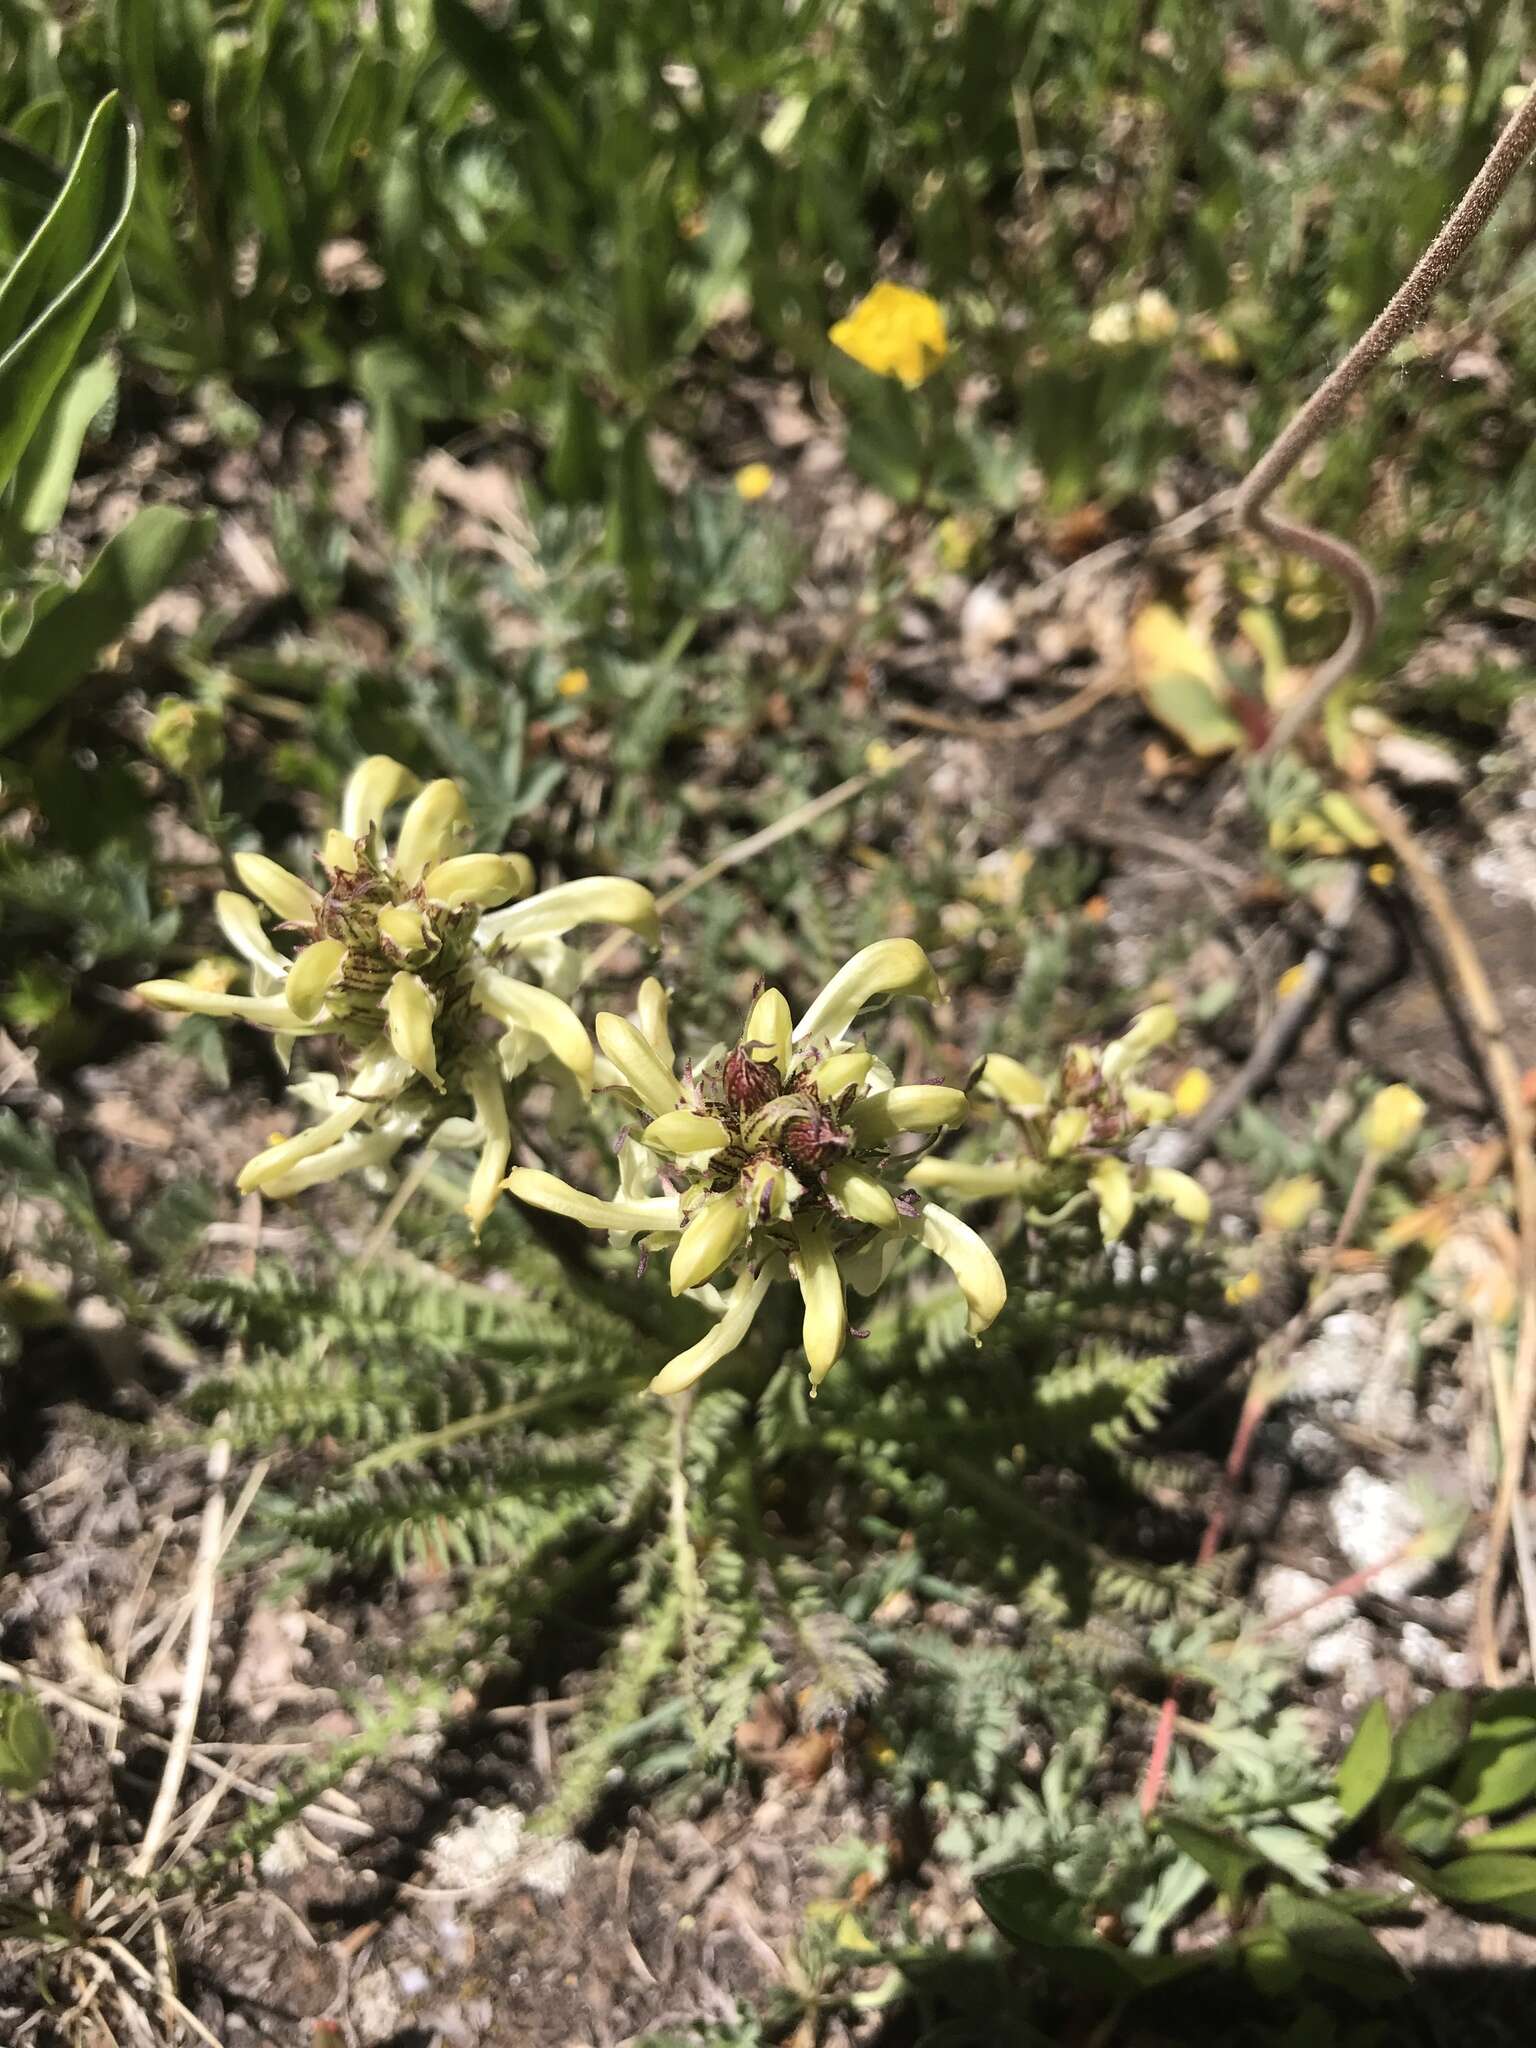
409	961
781	1157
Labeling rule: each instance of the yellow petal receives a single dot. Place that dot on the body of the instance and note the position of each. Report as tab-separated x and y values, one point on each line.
1288	1203
312	975
545	1191
887	968
767	1032
652	1083
549	1019
894	331
866	1199
350	1154
1011	1082
741	1306
490	1102
1192	1091
716	1233
840	1070
275	1162
980	1276
683	1132
1111	1184
1184	1195
294	901
338	853
1147	1032
371	788
923	1107
480	878
240	922
1147	1105
1393	1120
266	1011
1069	1127
825	1329
966	1182
753	481
436	819
652	1011
598	899
403	927
410	1010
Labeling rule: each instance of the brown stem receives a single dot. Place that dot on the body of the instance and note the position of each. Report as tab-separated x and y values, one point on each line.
1399	317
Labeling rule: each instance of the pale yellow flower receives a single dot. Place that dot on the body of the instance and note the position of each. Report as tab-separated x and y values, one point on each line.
753	481
575	682
1393	1120
405	959
896	332
1288	1204
778	1158
1192	1091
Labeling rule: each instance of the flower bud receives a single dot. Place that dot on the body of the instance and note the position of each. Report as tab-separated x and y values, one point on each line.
410	1009
294	901
862	1196
924	1107
636	1059
824	1331
1288	1203
1111	1184
1147	1032
768	1029
682	1132
484	879
187	737
842	1070
716	1233
312	975
435	820
749	1082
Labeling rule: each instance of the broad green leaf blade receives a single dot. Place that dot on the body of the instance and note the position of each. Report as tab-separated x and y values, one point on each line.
1335	1947
1367	1763
1515	1834
47	468
28	169
70	627
1494	1775
26	1744
55	287
1496	1880
1430	1821
1431	1738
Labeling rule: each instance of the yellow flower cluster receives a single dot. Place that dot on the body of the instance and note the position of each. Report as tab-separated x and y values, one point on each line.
412	959
780	1157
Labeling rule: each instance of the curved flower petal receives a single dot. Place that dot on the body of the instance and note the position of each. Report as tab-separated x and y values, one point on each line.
338	852
490	1102
768	1029
922	1107
1183	1194
1146	1033
267	1011
599	899
545	1191
968	1258
842	1070
715	1234
481	878
410	1010
862	1196
652	1014
742	1304
1010	1082
535	1010
652	1083
358	1149
294	901
1111	1184
275	1162
371	788
825	1329
887	968
313	975
403	927
435	819
972	1183
683	1132
240	922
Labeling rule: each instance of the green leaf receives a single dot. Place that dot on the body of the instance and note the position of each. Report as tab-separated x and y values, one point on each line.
70	626
47	469
1193	712
1335	1947
1495	1880
26	1744
1429	1821
1367	1763
1515	1834
1028	1905
1431	1738
1226	1858
54	289
1496	1774
1510	1715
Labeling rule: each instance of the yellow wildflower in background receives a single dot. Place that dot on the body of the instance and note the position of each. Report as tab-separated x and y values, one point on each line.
574	683
1393	1120
1244	1287
1291	981
896	332
754	481
1288	1204
1192	1091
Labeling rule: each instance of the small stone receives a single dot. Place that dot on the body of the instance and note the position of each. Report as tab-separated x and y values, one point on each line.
375	2011
1371	1520
1282	1590
1347	1653
986	621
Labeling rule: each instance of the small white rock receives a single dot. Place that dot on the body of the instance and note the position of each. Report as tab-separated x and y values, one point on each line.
986	621
1372	1519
